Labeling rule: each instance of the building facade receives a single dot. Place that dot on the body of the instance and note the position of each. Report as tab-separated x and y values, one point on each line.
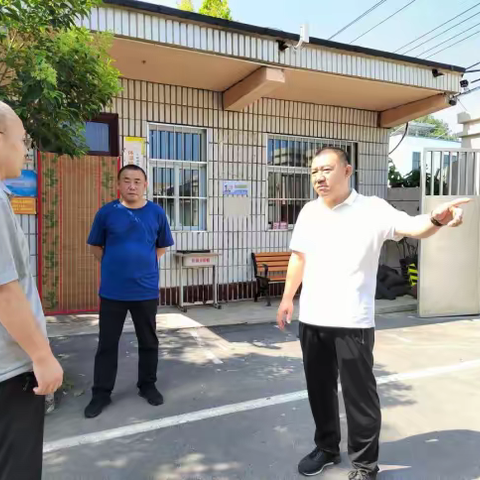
225	118
268	147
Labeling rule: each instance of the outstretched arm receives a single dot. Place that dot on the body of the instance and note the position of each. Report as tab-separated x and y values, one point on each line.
424	226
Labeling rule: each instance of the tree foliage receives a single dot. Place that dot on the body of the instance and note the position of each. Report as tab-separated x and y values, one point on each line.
186	5
216	8
212	8
54	74
441	130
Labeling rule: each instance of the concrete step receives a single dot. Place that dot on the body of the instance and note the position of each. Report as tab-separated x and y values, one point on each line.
234	313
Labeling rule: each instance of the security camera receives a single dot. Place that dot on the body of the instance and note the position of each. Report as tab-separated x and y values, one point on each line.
282	45
464	83
452	102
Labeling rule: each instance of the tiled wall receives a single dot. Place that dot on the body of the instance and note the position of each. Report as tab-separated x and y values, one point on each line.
237	151
29	227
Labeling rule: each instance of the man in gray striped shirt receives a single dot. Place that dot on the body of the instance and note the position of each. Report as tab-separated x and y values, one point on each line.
28	369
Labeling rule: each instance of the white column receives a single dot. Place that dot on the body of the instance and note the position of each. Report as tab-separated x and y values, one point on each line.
470	135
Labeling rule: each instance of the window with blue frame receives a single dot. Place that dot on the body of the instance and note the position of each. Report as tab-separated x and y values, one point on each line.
101	135
416	160
97	136
289	185
178	159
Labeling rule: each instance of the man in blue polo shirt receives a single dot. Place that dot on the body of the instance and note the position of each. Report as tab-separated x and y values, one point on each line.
128	238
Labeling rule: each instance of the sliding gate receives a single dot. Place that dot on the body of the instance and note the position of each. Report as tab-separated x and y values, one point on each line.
450	261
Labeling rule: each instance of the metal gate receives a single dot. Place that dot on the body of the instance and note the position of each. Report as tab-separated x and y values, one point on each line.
450	261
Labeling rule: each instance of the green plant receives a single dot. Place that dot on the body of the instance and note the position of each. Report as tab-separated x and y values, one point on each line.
212	8
186	5
54	74
216	8
413	179
441	130
395	178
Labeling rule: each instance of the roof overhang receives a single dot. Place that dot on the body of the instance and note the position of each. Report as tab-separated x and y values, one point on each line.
164	45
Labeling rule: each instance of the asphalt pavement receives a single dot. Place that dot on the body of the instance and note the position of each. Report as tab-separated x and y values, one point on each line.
236	407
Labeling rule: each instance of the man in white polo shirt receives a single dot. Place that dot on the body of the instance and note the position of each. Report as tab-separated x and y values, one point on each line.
335	247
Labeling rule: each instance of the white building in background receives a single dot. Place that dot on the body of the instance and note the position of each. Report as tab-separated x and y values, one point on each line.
409	154
226	133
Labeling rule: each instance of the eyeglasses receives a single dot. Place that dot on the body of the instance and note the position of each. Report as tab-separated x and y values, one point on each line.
27	141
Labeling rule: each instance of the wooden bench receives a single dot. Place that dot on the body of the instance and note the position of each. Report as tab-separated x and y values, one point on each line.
269	267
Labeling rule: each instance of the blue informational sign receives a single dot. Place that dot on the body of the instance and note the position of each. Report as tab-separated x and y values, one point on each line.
236	189
23	186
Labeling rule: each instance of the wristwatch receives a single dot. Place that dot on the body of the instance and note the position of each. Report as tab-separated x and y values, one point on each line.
435	221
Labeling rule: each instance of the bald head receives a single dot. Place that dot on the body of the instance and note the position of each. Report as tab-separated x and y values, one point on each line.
339	152
7	115
12	145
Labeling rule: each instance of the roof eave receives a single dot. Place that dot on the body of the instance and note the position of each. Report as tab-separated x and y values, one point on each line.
278	34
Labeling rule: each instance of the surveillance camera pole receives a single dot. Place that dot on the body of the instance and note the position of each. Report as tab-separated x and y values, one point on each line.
304	37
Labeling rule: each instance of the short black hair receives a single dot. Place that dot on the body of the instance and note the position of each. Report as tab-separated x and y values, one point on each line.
131	166
341	153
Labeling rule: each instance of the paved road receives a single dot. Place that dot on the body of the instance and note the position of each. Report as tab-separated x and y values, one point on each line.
236	407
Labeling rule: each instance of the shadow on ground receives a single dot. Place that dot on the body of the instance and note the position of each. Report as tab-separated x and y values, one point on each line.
235	450
442	455
255	362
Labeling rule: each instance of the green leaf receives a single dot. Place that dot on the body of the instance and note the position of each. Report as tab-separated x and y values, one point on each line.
216	8
58	75
185	5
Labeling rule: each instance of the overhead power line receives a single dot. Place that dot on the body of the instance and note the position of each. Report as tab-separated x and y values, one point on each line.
468	92
448	39
383	21
471	66
453	44
441	33
436	28
364	14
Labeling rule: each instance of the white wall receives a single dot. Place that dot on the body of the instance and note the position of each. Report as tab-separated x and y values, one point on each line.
403	155
237	150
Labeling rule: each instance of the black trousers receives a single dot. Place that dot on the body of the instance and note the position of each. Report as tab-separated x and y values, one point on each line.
22	416
326	353
112	319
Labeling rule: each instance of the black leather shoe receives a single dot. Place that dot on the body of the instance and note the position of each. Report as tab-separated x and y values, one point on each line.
96	406
151	395
316	462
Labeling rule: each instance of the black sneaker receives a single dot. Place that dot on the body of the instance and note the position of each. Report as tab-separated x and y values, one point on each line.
361	474
96	406
316	461
151	395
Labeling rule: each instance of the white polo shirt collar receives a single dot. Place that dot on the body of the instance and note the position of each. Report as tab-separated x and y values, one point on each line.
347	202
